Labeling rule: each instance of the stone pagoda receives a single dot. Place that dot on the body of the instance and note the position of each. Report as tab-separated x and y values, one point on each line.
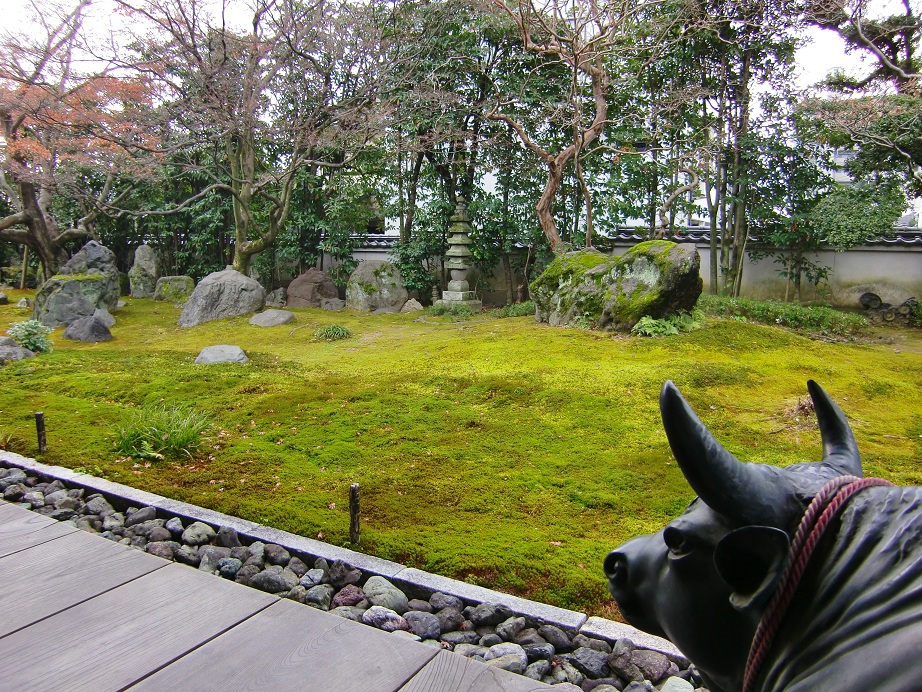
458	261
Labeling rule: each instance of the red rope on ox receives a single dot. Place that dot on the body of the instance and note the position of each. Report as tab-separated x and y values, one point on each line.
823	509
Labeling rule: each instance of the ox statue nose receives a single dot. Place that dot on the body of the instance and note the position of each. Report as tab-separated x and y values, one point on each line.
616	569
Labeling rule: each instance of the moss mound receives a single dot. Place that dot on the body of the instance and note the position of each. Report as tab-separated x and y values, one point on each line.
657	279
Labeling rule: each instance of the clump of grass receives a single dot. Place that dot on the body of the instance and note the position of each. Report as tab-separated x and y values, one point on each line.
331	332
515	310
809	318
32	335
162	431
455	312
668	326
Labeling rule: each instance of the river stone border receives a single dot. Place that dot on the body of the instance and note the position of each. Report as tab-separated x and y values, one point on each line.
592	640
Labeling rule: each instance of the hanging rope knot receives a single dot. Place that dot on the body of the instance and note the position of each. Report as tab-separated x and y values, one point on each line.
822	510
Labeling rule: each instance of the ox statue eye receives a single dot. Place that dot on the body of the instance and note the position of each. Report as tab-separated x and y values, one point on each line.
675	540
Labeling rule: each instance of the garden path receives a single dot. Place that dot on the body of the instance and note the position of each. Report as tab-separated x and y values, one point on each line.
80	612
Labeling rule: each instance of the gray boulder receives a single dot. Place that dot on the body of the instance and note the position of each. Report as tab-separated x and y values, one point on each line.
309	289
87	282
4	299
375	285
412	305
272	318
104	316
89	330
657	278
143	273
221	354
220	295
24	303
332	304
175	289
276	298
8	353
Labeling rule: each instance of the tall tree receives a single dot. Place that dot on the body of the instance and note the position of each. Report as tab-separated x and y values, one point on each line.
62	126
294	89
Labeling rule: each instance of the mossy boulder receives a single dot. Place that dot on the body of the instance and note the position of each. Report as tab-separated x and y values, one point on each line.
88	281
175	289
376	285
657	278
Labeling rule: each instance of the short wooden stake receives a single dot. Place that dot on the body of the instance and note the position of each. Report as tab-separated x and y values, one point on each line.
40	431
355	527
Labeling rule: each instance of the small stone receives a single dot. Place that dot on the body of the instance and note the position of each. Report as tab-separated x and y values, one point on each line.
211	555
529	636
198	533
349	595
382	593
537	652
174	526
612	684
490	639
145	527
92	525
34	498
676	684
573	676
349	613
537	670
142	515
654	665
469	650
489	614
507	649
162	549
440	601
240	553
641	686
113	521
509	628
589	662
276	555
187	555
159	533
229	567
297	594
420	605
384	619
247	572
320	596
15	492
297	566
227	537
341	573
321	563
63	514
450	619
458	637
556	636
509	662
426	625
274	580
312	577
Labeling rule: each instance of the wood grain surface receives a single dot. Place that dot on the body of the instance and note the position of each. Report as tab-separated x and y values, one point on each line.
20	528
449	672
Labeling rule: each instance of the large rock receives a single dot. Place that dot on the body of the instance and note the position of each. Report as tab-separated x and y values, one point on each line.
222	294
89	330
8	353
657	278
310	289
87	282
143	273
374	285
221	354
175	289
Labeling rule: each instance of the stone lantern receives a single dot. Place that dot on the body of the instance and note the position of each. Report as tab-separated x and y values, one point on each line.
458	261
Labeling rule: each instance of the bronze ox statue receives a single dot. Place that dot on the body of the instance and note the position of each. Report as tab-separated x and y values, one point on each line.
802	578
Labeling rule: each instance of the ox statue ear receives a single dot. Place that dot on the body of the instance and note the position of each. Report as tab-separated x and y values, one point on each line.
751	560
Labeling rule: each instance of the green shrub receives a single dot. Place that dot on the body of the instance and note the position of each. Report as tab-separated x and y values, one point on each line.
668	326
455	312
331	332
162	431
808	318
516	309
32	335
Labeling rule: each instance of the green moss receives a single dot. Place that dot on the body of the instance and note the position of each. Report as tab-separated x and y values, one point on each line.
545	445
78	277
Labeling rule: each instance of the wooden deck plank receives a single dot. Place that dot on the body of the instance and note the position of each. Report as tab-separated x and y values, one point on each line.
47	578
449	672
20	528
290	646
119	637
